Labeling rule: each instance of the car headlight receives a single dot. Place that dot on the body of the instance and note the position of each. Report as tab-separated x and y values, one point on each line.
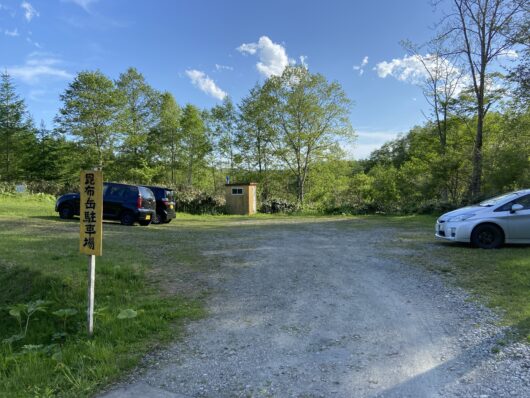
461	217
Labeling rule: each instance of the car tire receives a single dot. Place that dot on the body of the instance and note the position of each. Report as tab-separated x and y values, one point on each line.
66	212
144	223
127	218
487	236
167	221
157	219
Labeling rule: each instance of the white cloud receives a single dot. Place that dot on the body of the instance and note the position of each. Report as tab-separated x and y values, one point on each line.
303	61
408	68
365	60
510	54
84	4
29	11
219	67
205	84
28	39
273	58
360	67
12	33
39	65
413	69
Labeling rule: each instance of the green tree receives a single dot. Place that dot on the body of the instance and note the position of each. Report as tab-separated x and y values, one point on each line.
308	116
15	130
194	143
166	137
49	157
385	191
223	125
254	137
135	121
90	106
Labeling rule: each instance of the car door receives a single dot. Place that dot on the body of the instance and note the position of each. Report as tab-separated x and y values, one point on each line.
519	222
112	201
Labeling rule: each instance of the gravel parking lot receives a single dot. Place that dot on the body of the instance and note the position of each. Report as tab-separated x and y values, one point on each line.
325	309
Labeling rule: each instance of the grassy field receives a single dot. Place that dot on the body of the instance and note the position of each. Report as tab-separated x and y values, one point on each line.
39	260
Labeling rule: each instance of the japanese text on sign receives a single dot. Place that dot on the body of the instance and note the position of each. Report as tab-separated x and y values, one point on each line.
91	212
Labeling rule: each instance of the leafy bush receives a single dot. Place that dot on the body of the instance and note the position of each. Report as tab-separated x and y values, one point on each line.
277	205
54	188
194	201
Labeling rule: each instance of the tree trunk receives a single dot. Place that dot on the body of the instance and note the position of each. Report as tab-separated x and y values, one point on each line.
190	173
476	175
300	190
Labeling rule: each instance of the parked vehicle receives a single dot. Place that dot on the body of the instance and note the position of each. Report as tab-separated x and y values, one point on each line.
165	205
491	223
126	203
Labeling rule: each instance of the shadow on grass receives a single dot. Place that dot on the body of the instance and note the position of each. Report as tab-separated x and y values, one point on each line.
53	218
74	220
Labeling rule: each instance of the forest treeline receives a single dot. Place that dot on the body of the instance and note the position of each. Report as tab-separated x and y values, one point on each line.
288	133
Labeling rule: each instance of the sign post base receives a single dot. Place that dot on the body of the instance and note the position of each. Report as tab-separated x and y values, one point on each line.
91	289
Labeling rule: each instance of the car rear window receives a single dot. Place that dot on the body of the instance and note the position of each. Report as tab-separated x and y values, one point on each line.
146	193
170	195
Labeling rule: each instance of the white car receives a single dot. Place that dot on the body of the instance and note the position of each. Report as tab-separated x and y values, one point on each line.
489	224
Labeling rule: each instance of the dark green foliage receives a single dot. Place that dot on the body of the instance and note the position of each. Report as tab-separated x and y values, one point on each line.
194	201
194	144
16	132
277	205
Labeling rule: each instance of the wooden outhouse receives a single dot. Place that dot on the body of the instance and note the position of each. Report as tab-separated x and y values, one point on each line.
241	198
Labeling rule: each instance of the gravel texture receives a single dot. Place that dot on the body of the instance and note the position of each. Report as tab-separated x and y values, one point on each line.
322	310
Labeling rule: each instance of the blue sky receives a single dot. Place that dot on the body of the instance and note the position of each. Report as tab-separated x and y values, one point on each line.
203	50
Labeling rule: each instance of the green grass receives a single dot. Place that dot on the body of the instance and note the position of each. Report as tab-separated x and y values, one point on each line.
39	260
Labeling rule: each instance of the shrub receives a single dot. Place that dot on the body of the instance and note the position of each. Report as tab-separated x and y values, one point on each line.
194	201
277	205
55	188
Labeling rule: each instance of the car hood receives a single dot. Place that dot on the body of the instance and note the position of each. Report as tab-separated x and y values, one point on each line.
464	210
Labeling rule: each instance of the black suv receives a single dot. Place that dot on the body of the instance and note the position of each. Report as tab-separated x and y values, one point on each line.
127	203
165	205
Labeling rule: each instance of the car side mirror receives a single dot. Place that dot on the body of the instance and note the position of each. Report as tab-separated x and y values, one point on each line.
516	207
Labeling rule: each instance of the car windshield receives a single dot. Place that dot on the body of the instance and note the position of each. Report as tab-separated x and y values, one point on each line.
498	199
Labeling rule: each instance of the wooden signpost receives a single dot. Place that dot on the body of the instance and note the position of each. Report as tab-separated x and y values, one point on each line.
91	230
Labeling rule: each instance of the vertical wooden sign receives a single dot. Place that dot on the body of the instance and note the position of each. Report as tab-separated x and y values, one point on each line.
91	230
91	212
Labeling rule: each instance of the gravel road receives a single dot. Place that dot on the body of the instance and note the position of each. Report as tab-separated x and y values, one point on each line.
322	309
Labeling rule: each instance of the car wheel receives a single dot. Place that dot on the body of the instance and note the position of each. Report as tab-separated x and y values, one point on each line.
167	221
144	223
487	236
66	212
157	219
127	218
